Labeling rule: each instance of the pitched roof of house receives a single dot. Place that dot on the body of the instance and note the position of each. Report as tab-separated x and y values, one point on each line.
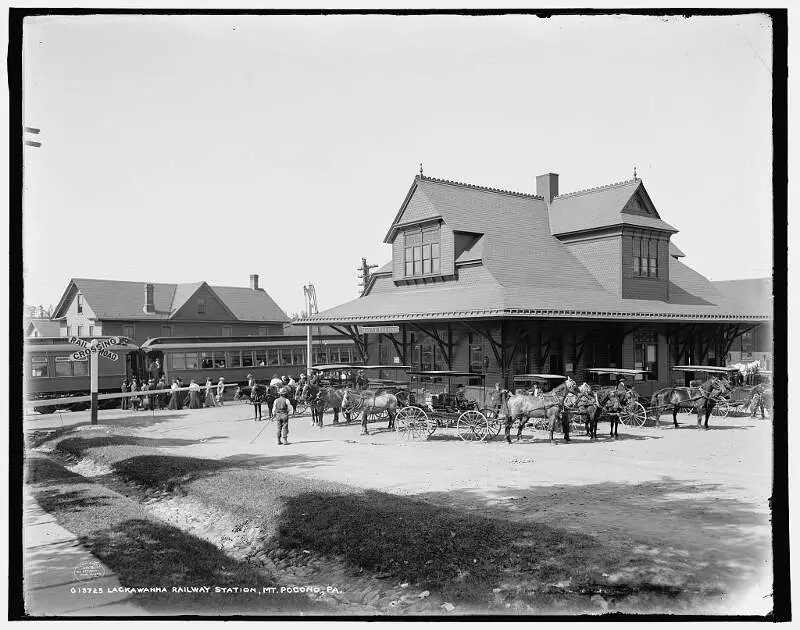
122	299
602	207
526	270
44	327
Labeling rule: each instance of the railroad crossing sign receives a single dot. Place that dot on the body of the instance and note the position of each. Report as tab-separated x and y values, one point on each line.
94	350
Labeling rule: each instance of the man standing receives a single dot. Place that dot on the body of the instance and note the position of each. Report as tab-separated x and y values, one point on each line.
220	389
281	410
757	401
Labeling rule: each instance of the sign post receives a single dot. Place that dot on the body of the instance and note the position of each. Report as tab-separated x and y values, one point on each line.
93	351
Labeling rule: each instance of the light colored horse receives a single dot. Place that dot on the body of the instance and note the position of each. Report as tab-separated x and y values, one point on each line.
368	401
522	407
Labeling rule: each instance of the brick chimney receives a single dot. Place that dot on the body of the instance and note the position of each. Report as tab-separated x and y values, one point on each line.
254	281
547	186
149	304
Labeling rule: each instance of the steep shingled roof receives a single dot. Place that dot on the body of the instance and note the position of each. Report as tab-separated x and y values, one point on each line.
601	207
121	299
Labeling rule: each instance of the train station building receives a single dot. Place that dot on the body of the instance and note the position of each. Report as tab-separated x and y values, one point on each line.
502	283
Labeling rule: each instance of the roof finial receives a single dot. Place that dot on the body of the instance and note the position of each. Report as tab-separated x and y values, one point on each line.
634	172
420	169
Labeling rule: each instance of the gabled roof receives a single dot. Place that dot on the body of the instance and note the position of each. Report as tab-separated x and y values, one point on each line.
44	327
675	251
122	299
603	207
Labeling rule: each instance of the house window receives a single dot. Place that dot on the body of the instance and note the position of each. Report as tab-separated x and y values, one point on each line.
226	331
262	331
80	331
91	331
645	355
422	253
80	303
39	367
166	331
128	331
201	305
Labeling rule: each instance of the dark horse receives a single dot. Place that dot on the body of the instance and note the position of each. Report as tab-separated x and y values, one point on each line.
701	399
321	398
521	407
594	406
256	395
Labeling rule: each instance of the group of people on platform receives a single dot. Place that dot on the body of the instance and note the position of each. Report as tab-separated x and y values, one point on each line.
196	397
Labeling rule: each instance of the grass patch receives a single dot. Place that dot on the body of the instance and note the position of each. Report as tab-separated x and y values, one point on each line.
143	551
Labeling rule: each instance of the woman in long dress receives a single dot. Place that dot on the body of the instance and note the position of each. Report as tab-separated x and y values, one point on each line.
220	389
210	393
134	399
194	395
124	390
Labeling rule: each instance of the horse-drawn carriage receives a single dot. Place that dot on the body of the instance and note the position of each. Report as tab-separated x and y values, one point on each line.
536	385
733	401
441	402
631	412
378	379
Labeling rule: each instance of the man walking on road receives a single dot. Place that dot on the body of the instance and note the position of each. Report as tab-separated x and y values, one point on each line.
281	410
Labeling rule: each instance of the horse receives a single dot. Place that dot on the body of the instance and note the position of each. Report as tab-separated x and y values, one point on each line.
521	407
321	398
596	405
368	402
256	395
682	398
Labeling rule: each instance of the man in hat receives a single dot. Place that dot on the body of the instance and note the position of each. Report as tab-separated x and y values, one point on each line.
622	390
361	380
461	396
281	409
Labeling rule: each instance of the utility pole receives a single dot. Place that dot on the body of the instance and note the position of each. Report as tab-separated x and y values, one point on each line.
364	274
311	309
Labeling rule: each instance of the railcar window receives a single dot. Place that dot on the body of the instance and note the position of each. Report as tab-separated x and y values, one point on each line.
272	354
247	358
219	360
207	360
298	356
39	368
191	361
80	368
234	359
261	357
286	356
177	361
63	366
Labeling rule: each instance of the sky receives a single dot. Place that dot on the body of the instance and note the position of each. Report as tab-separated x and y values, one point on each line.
188	148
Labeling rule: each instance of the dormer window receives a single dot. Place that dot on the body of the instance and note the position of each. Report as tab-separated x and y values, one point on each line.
201	305
422	252
645	257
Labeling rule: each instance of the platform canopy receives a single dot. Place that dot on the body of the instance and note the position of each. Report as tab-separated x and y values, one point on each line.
712	369
531	377
627	371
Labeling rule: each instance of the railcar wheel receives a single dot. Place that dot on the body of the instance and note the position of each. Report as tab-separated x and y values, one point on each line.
412	423
633	414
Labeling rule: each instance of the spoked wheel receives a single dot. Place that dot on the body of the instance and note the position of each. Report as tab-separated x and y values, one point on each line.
494	423
412	423
373	415
472	425
541	424
633	414
722	409
352	413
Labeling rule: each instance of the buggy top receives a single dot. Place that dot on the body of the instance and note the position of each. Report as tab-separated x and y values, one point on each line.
533	377
711	369
625	371
447	373
335	366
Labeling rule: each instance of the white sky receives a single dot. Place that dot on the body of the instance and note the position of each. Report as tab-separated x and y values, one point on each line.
189	148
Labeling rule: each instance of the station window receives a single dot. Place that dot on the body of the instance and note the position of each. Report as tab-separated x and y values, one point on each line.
645	257
475	353
422	252
334	355
39	367
645	354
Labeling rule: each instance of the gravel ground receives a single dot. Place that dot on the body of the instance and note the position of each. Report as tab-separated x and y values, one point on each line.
692	505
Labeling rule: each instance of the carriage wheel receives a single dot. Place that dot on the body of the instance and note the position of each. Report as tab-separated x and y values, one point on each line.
494	422
352	413
373	415
412	423
633	415
300	408
541	424
472	425
722	409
